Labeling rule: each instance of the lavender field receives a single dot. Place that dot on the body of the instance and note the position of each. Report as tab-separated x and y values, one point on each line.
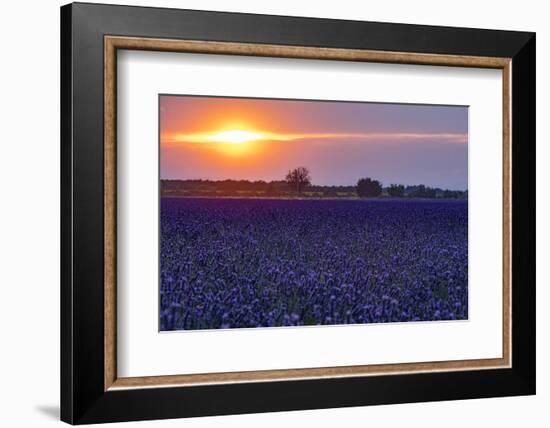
234	263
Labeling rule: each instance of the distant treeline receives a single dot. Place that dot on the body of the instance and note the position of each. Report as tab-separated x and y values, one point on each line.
280	188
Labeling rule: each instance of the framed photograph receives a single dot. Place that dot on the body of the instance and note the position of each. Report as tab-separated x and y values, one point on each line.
265	213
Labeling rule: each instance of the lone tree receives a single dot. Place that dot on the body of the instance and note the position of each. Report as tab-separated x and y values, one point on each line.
298	179
367	187
396	190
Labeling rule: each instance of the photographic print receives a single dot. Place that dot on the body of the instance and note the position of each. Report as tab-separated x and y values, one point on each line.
281	212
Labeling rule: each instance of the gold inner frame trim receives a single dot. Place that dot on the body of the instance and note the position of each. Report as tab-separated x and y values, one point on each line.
113	43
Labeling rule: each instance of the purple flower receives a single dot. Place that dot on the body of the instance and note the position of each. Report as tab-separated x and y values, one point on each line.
232	263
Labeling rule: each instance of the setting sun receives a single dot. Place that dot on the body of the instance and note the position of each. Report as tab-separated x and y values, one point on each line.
234	136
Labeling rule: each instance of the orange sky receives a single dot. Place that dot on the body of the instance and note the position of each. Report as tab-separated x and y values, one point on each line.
261	139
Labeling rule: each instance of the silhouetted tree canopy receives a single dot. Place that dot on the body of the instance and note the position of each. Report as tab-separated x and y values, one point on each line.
367	187
298	179
396	190
422	191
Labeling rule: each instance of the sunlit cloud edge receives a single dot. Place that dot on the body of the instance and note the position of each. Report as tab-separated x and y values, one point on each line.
207	137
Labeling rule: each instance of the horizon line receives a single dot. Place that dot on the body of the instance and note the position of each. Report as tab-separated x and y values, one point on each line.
312	184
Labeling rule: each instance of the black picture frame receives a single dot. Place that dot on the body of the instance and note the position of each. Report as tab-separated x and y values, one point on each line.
83	398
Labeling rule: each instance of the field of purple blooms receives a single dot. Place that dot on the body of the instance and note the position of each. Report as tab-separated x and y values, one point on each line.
230	263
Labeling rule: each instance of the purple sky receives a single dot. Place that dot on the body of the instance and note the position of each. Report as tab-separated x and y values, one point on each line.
338	141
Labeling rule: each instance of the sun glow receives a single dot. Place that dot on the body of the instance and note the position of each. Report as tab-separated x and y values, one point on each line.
235	136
